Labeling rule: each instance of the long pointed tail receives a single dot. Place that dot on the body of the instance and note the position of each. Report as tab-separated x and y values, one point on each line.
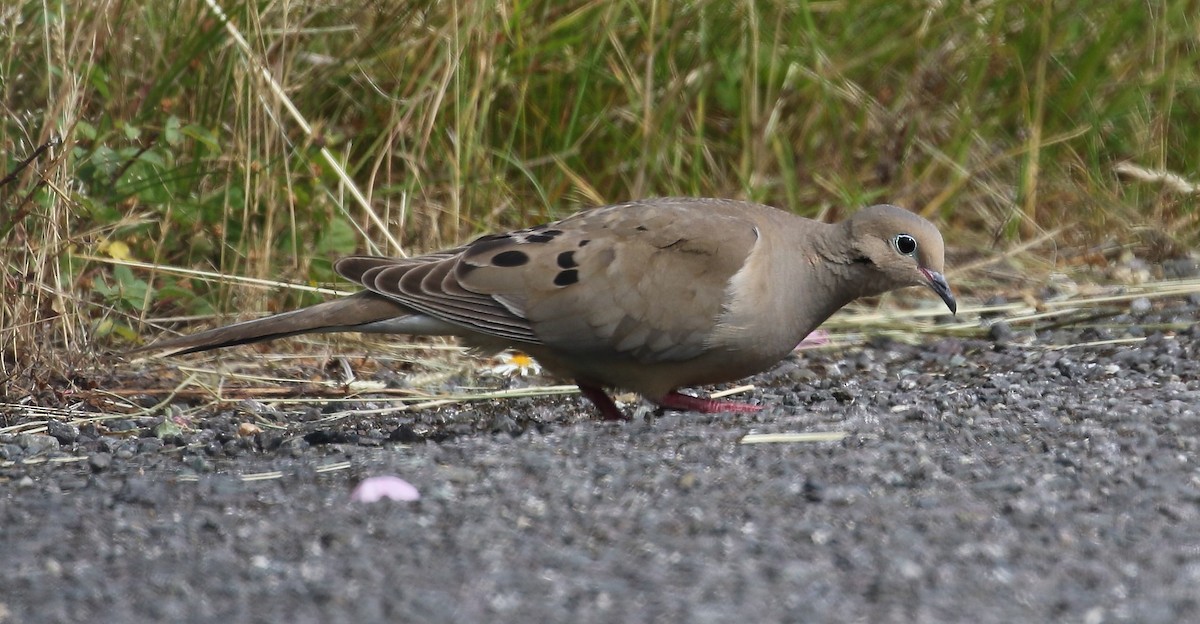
364	311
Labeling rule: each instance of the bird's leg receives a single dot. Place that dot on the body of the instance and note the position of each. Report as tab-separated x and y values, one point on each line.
676	401
600	398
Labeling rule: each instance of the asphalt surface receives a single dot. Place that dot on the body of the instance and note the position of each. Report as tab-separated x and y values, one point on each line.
1029	477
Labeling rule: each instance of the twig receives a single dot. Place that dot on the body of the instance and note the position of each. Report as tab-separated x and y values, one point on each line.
53	142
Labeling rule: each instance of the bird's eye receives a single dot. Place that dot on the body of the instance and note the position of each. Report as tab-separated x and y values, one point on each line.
905	244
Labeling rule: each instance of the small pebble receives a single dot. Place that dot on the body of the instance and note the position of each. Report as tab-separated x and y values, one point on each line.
405	434
149	445
65	433
294	446
35	443
1141	305
1000	331
99	462
126	452
198	463
122	425
814	492
503	423
1181	268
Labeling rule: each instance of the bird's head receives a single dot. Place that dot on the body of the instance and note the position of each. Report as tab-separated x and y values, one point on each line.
905	249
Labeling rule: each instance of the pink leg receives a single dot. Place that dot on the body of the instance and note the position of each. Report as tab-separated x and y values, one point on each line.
674	400
599	398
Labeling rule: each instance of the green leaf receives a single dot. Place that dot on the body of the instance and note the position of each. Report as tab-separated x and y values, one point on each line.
85	130
105	160
108	327
128	292
171	131
338	238
154	157
203	136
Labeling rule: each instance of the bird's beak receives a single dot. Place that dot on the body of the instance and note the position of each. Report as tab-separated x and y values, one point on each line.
939	285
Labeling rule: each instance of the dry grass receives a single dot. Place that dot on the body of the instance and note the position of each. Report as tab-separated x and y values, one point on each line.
180	148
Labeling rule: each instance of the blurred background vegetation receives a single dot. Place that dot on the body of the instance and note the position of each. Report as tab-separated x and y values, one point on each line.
146	144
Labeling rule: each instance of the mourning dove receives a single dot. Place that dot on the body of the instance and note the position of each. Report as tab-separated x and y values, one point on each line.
648	296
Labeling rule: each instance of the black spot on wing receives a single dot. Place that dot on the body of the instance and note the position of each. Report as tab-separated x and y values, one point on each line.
510	258
566	260
543	236
584	242
566	278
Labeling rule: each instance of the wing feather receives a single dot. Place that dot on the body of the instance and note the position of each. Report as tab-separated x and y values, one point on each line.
647	280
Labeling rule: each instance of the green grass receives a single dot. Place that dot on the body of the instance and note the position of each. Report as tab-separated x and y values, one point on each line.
1003	120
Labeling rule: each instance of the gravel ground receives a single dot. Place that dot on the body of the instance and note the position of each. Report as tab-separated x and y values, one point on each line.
998	480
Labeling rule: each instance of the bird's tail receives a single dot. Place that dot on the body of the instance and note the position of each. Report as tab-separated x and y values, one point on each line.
364	311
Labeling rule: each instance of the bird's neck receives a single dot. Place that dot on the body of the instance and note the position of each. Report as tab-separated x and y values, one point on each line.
798	278
836	274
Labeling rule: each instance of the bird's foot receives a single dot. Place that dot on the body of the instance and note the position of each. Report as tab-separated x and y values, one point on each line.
676	401
600	398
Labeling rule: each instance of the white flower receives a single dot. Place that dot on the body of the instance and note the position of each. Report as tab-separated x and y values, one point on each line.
515	363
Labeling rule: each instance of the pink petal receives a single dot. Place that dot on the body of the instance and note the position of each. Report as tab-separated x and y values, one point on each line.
815	339
374	489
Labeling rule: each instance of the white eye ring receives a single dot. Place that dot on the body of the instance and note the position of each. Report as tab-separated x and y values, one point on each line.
905	244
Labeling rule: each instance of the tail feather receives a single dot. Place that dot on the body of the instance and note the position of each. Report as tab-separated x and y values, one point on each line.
354	313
